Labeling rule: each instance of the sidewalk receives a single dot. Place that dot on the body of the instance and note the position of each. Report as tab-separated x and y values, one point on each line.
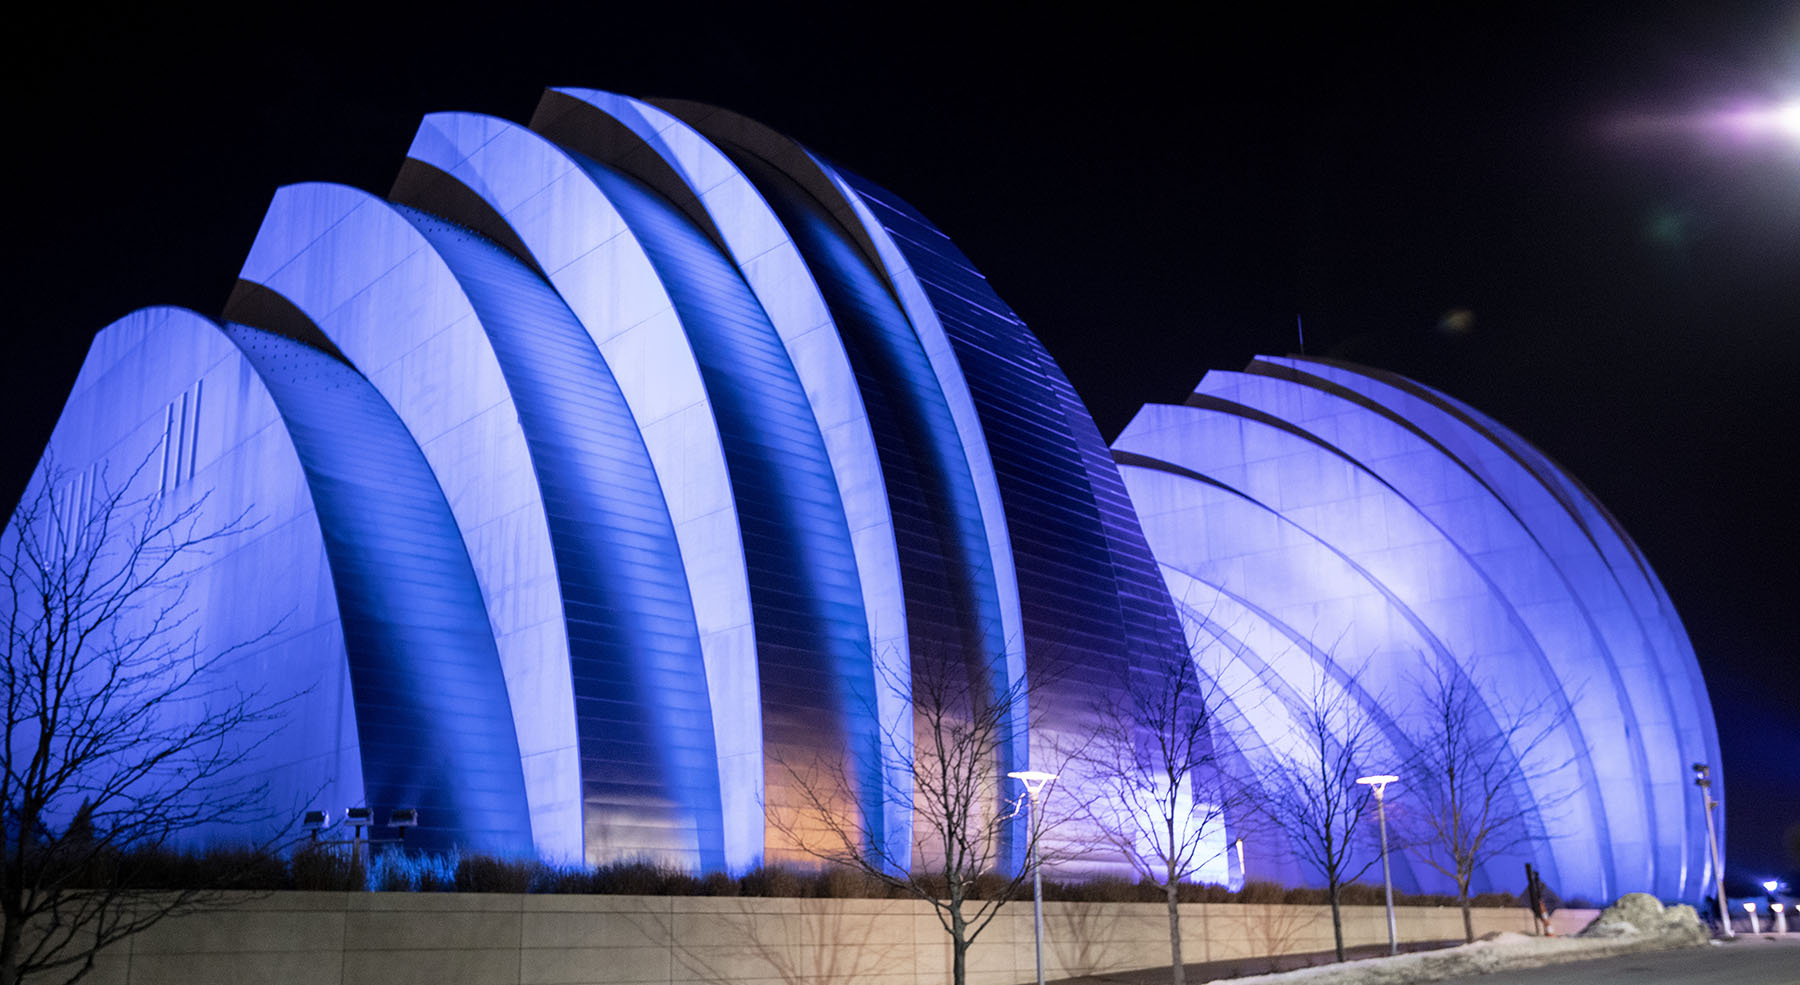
1206	971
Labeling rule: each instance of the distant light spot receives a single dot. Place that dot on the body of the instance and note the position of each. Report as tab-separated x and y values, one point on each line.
1667	227
1457	321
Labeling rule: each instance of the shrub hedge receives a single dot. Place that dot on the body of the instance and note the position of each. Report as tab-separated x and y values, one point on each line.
326	867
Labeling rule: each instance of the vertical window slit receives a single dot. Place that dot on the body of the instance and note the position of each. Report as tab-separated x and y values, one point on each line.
194	434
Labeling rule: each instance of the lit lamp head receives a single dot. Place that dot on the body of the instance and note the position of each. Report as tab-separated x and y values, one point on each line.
1702	775
1035	781
1749	907
315	820
1777	907
1770	885
1378	781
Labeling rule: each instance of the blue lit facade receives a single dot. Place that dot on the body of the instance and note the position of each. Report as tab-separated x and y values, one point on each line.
1312	516
613	463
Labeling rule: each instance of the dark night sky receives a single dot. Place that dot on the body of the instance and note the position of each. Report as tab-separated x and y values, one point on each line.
1156	196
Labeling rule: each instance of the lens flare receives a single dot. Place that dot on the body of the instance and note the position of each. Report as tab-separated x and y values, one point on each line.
1787	119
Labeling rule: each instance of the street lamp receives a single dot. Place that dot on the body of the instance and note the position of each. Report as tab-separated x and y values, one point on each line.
1703	780
1035	781
1780	917
1755	927
1379	784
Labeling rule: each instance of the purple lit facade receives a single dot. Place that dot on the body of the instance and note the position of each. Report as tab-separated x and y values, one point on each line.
616	459
1313	516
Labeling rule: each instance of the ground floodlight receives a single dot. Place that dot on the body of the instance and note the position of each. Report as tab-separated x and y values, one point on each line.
403	817
359	816
314	820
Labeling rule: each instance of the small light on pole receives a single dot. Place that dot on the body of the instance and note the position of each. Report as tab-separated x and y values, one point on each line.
1035	781
1379	784
1780	917
1703	780
1755	926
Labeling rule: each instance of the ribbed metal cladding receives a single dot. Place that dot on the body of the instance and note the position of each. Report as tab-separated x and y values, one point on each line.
649	771
1093	602
952	602
656	493
1094	609
813	652
432	717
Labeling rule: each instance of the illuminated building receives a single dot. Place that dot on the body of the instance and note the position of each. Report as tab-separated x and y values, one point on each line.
1328	523
616	460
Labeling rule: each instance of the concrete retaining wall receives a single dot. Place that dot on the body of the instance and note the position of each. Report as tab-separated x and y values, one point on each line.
478	939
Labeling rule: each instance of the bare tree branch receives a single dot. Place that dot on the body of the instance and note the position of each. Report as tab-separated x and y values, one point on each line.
1309	792
121	733
1157	764
953	750
1474	763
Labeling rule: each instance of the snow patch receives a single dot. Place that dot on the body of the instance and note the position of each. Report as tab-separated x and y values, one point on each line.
1637	922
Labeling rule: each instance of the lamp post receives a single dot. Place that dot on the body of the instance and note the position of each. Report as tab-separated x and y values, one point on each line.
1780	917
1035	781
1755	927
1379	784
1703	780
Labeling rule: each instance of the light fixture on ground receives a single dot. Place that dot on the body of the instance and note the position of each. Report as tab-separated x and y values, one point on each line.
1379	784
360	819
1035	781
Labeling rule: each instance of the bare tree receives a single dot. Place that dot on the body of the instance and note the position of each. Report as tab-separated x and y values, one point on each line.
1156	766
1474	759
1309	792
968	832
119	733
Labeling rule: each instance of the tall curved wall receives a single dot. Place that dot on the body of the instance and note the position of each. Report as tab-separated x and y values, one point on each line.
631	457
1332	519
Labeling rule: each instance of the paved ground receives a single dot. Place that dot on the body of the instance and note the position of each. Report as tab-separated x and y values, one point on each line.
1746	961
1242	967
